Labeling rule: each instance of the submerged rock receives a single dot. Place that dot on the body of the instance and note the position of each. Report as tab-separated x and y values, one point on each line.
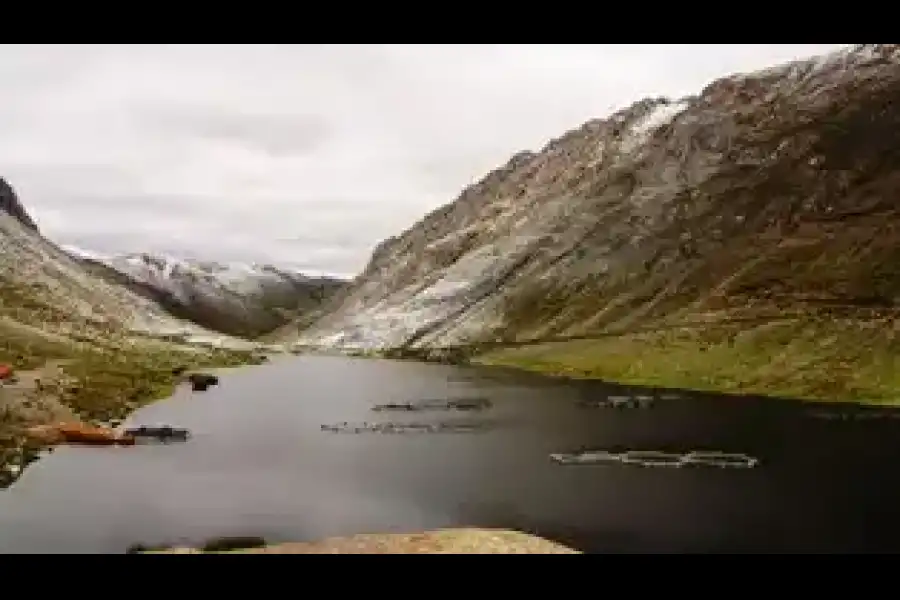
162	433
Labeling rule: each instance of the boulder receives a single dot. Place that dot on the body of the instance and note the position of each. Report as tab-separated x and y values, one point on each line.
203	378
200	382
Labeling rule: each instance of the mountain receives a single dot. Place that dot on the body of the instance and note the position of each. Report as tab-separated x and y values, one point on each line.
82	348
45	290
742	239
238	299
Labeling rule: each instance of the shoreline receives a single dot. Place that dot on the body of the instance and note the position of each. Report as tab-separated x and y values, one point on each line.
702	381
117	423
95	392
680	368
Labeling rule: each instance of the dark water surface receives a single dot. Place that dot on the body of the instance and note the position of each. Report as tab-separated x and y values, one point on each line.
259	464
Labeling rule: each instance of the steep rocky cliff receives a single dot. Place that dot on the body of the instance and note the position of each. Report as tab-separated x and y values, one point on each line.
745	238
9	204
238	299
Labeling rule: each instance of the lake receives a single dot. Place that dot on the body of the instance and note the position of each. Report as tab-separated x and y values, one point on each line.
259	464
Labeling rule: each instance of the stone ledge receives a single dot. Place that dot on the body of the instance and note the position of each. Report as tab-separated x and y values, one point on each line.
441	541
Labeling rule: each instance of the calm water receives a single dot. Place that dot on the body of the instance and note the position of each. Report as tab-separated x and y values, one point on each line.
258	464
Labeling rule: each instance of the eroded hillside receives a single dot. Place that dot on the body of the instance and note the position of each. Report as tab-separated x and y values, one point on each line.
742	239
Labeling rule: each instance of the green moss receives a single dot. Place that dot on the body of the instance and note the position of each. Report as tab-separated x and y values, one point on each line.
107	386
834	360
25	349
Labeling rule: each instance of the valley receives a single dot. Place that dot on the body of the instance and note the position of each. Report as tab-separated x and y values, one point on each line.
682	277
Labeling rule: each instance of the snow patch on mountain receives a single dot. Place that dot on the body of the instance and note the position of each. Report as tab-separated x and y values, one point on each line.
605	225
238	298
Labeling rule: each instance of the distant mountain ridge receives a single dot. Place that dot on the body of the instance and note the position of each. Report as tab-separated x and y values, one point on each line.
47	296
240	299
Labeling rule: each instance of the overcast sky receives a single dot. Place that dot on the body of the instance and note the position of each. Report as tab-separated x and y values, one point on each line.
301	155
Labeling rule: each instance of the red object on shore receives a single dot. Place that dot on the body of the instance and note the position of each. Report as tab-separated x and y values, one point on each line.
6	371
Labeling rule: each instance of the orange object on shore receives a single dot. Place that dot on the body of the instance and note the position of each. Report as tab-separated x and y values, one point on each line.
86	434
6	371
80	433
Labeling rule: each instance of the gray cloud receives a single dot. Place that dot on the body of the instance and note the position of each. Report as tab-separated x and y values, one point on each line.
304	155
276	134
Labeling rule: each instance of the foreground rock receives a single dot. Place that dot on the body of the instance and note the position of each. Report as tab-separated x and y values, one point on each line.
743	239
442	541
200	382
162	433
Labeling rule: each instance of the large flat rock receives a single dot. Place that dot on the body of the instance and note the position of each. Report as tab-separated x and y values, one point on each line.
441	541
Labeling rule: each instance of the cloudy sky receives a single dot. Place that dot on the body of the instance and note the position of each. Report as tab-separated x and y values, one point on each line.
302	155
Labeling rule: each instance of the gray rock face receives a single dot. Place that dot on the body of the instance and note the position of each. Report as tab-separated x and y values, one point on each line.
9	203
728	204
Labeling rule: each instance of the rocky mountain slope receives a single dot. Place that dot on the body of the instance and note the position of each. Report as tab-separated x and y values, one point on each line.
239	299
743	239
47	292
83	348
